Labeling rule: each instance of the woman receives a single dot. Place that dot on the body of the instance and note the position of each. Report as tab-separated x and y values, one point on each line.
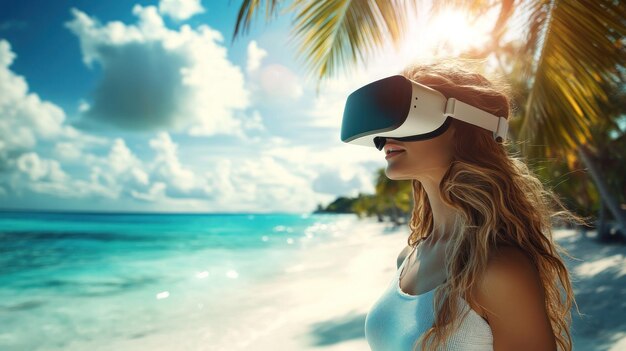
480	232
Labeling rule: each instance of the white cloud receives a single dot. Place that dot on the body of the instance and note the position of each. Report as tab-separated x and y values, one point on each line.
255	55
221	180
167	168
331	182
274	176
24	117
155	78
279	82
25	122
117	174
254	122
38	169
123	163
121	173
259	184
180	9
156	193
45	176
6	54
83	106
67	151
353	166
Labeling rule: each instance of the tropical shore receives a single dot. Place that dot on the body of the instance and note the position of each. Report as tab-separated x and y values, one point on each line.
324	300
321	299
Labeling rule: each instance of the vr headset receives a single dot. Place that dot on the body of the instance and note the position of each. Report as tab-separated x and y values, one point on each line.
399	108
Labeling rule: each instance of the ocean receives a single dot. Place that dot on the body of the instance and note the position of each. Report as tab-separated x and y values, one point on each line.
90	281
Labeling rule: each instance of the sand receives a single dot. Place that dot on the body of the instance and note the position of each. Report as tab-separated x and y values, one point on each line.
322	303
321	300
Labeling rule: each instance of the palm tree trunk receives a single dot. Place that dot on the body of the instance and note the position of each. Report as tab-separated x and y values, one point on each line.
605	193
396	215
601	226
393	213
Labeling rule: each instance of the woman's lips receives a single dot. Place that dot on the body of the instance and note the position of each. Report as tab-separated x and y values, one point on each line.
393	153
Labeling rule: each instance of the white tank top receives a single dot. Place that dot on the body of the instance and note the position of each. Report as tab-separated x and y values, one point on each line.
397	319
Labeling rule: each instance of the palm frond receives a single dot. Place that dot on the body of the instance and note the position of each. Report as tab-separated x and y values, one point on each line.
332	33
248	10
575	68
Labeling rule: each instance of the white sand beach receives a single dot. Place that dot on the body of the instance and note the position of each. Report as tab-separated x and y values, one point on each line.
323	306
321	300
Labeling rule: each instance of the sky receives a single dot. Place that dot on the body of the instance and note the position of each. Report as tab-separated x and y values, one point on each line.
149	106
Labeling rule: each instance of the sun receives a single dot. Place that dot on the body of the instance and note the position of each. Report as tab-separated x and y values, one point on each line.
454	32
449	33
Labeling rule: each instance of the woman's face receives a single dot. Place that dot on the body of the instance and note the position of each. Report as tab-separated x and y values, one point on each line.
419	158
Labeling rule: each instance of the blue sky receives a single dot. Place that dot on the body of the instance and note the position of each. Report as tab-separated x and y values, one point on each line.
149	106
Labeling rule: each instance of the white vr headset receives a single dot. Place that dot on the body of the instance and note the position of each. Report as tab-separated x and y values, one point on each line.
399	108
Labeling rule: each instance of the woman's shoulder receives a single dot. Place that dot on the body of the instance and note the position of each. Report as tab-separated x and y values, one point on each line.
512	296
510	271
508	264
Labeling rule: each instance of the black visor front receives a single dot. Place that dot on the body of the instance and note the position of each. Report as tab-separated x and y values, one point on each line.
378	107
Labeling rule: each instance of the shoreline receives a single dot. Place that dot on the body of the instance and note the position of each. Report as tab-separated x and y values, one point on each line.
332	319
320	300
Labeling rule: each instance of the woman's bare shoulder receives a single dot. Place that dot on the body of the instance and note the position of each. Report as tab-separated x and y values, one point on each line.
512	296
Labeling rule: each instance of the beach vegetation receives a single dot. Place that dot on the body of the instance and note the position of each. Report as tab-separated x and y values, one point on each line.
565	60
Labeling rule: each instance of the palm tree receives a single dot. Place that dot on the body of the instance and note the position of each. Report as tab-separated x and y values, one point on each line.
387	191
394	196
571	58
366	205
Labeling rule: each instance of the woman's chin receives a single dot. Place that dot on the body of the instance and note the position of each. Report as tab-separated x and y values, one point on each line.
393	175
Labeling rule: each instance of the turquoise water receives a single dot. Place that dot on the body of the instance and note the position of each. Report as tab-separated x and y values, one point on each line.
74	279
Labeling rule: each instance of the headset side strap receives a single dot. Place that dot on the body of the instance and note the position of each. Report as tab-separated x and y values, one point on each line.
470	114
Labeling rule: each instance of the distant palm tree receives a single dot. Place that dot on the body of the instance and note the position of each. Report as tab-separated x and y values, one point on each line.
571	58
393	196
386	191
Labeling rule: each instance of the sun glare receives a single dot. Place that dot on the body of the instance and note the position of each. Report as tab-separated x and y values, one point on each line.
448	34
452	32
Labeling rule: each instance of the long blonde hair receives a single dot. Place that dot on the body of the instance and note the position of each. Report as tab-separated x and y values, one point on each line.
499	201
